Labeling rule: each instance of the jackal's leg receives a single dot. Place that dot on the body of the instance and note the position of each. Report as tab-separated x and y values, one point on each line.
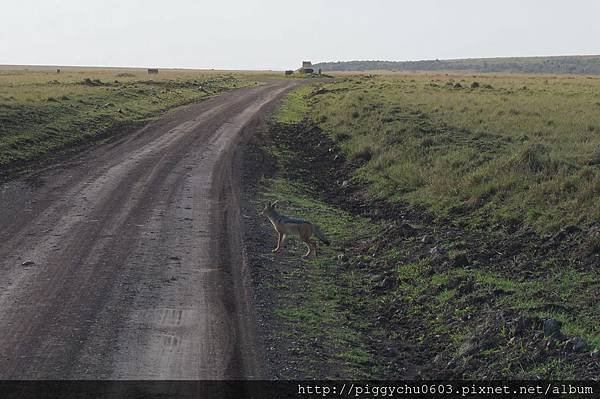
309	250
280	239
312	248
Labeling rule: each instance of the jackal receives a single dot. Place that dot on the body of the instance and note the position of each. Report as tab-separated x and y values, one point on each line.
285	226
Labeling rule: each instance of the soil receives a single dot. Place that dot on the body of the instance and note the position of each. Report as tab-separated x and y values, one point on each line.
125	261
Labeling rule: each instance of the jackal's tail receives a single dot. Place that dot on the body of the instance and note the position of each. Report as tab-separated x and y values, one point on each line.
321	236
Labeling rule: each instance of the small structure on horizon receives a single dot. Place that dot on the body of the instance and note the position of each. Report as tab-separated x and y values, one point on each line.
152	71
306	67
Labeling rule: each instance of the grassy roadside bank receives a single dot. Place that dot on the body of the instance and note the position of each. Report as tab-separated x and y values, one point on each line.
44	113
488	150
402	292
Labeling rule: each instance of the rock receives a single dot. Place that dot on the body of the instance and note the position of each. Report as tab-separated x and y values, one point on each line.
460	260
28	263
426	239
576	344
552	328
580	346
595	353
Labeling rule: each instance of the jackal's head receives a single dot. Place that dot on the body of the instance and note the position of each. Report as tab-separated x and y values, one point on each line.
269	208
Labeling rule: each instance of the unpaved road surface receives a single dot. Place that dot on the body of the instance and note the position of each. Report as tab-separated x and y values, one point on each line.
126	262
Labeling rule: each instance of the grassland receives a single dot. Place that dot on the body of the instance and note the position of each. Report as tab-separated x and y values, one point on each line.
43	113
462	216
513	149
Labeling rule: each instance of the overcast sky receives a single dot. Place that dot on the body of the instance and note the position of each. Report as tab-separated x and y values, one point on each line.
278	34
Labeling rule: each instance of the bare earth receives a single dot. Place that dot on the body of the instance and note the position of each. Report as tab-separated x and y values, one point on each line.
138	271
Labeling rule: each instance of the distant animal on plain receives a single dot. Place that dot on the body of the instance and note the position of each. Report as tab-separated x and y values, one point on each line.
285	225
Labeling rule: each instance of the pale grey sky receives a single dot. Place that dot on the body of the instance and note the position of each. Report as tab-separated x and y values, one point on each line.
278	34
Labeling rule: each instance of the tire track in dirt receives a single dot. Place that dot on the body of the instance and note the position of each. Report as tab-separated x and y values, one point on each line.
138	271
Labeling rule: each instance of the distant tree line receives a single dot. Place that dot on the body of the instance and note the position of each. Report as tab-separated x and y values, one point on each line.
586	65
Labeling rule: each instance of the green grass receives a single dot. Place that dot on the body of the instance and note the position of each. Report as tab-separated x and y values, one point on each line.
571	288
518	148
316	302
42	112
445	311
339	300
561	285
555	369
295	107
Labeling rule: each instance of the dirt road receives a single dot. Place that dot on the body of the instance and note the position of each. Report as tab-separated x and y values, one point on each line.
126	262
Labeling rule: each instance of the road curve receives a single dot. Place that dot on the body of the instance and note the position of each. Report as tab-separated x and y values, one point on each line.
126	262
